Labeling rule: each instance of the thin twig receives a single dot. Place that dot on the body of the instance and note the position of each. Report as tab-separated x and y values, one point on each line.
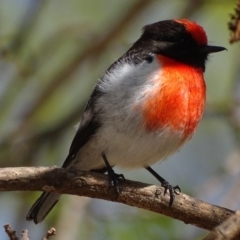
228	230
51	232
10	232
25	235
234	24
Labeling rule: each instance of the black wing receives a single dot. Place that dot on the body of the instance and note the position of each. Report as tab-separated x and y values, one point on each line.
83	135
87	128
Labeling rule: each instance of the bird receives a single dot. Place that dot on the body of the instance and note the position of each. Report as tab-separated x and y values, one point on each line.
143	109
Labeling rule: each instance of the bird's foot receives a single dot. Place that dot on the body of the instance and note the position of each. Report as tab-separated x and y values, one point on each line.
172	191
114	179
112	176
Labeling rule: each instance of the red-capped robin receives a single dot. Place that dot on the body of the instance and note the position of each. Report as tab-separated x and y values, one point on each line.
143	109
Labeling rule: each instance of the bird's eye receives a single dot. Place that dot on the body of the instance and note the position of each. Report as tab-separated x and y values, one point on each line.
149	58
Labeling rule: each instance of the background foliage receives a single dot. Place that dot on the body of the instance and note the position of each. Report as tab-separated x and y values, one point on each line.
52	54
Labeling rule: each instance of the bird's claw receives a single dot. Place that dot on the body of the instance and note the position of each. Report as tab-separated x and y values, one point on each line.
114	180
172	191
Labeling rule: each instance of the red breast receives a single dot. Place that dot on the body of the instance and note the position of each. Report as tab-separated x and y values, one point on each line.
178	102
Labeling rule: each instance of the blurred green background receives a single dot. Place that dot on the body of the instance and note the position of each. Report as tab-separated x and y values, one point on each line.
52	53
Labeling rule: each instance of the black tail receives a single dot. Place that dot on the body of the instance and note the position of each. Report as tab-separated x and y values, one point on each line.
42	206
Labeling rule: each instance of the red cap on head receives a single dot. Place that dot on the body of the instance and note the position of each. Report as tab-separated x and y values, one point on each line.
195	30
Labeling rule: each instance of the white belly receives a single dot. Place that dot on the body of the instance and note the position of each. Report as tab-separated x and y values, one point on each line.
122	136
128	150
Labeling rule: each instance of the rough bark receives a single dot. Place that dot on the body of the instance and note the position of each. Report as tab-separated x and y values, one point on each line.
141	195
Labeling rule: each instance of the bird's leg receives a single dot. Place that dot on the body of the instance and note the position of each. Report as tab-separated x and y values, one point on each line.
166	185
112	176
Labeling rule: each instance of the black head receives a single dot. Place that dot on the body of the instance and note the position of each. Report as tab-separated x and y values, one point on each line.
180	40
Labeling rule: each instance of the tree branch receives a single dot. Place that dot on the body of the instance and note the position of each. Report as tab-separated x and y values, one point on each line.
24	234
229	229
51	232
141	195
10	232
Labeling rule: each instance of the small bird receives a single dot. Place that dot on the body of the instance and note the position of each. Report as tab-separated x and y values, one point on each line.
144	108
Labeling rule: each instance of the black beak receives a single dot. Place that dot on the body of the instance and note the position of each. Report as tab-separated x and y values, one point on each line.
211	49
